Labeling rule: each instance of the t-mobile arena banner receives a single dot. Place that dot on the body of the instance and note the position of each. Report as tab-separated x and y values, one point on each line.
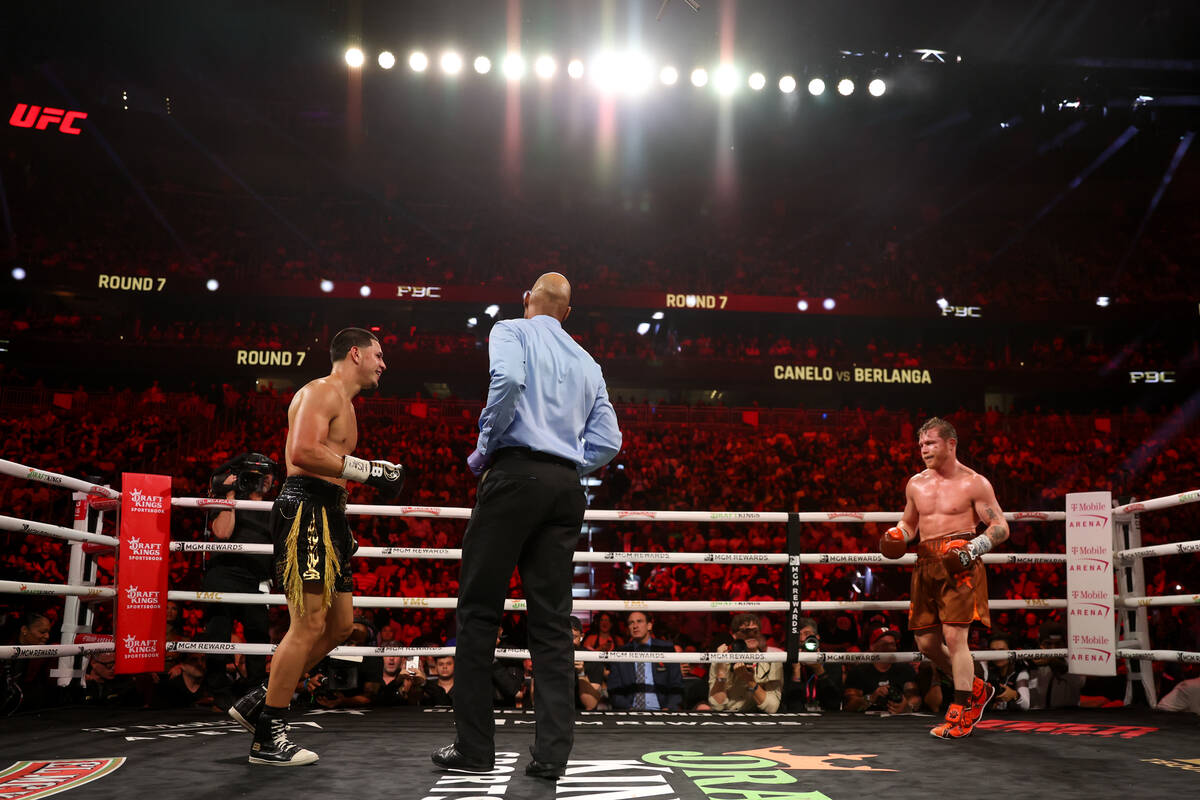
1091	626
141	605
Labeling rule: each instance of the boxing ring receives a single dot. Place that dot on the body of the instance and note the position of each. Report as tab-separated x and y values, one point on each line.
617	754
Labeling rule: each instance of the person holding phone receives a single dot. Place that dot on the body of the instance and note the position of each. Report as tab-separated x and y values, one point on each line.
401	682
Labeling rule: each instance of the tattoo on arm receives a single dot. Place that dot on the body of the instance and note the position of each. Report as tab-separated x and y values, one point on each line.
996	531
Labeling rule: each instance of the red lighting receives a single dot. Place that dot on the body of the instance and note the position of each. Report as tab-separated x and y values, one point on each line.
27	116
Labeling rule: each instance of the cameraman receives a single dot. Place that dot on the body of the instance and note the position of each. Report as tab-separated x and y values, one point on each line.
817	686
249	476
750	686
882	686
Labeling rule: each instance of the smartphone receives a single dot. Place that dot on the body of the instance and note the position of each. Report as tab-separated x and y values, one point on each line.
413	664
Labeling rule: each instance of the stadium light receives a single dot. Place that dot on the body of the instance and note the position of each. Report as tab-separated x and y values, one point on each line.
1103	301
354	57
802	305
787	84
669	76
451	62
877	87
757	81
643	328
943	303
483	65
513	66
492	310
418	61
816	87
845	87
212	285
387	60
725	79
472	322
829	304
326	286
699	77
18	274
656	315
575	69
364	290
544	67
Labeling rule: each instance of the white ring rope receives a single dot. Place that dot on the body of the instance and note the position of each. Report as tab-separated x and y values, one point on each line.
1169	501
621	557
54	479
1160	600
55	531
1178	548
455	512
29	587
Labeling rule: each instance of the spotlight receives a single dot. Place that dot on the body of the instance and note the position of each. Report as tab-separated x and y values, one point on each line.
643	328
575	69
699	77
757	81
326	285
387	60
544	67
943	303
513	66
725	79
829	304
669	76
656	315
354	57
483	65
18	274
364	290
212	285
816	87
452	62
845	87
877	87
492	310
787	84
472	322
802	305
418	61
1103	301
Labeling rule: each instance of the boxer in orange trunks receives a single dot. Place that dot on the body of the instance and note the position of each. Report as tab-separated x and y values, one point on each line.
943	506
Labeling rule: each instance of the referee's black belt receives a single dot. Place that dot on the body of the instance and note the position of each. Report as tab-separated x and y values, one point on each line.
533	455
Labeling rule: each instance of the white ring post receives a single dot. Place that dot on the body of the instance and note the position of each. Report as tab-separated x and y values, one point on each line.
1134	631
65	672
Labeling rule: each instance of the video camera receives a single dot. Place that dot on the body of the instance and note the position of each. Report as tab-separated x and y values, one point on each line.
253	472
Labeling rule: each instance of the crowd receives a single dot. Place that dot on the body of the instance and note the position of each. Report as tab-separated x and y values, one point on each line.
777	340
858	464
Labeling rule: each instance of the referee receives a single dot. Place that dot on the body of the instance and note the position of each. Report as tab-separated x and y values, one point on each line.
547	422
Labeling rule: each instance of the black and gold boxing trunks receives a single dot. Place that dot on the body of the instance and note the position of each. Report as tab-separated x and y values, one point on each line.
312	539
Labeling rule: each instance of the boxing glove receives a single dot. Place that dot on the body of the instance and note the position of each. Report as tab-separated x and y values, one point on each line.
958	555
893	543
383	475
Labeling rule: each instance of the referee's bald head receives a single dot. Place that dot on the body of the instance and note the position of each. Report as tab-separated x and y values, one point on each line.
551	295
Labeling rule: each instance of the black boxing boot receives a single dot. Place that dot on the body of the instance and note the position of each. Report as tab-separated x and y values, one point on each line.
271	744
249	708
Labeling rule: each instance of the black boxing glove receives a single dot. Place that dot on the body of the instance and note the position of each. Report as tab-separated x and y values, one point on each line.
383	475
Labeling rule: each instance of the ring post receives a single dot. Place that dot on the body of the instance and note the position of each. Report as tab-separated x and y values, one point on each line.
1131	581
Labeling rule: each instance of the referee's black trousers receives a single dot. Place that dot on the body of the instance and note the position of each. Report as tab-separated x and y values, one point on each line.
528	514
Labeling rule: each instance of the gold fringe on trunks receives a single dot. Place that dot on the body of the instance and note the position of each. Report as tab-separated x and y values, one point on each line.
292	580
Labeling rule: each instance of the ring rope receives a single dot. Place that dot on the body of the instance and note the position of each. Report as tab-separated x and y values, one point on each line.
1175	549
54	479
29	587
55	531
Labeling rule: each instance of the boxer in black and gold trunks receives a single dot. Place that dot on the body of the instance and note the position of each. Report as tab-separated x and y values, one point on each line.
944	503
312	540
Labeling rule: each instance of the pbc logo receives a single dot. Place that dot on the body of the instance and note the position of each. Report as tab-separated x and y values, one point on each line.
27	116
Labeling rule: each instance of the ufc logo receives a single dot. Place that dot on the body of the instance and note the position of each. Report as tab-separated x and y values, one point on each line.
26	116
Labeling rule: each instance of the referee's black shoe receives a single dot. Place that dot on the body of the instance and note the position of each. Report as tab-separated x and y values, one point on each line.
449	757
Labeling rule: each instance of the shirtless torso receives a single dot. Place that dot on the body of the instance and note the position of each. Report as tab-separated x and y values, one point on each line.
949	504
321	414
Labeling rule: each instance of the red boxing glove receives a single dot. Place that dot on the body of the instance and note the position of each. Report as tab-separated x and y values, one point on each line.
956	558
893	543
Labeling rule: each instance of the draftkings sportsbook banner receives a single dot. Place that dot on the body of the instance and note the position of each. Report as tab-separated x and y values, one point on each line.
141	603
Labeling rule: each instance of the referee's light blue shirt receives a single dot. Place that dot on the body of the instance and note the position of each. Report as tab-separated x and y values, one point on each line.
547	394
